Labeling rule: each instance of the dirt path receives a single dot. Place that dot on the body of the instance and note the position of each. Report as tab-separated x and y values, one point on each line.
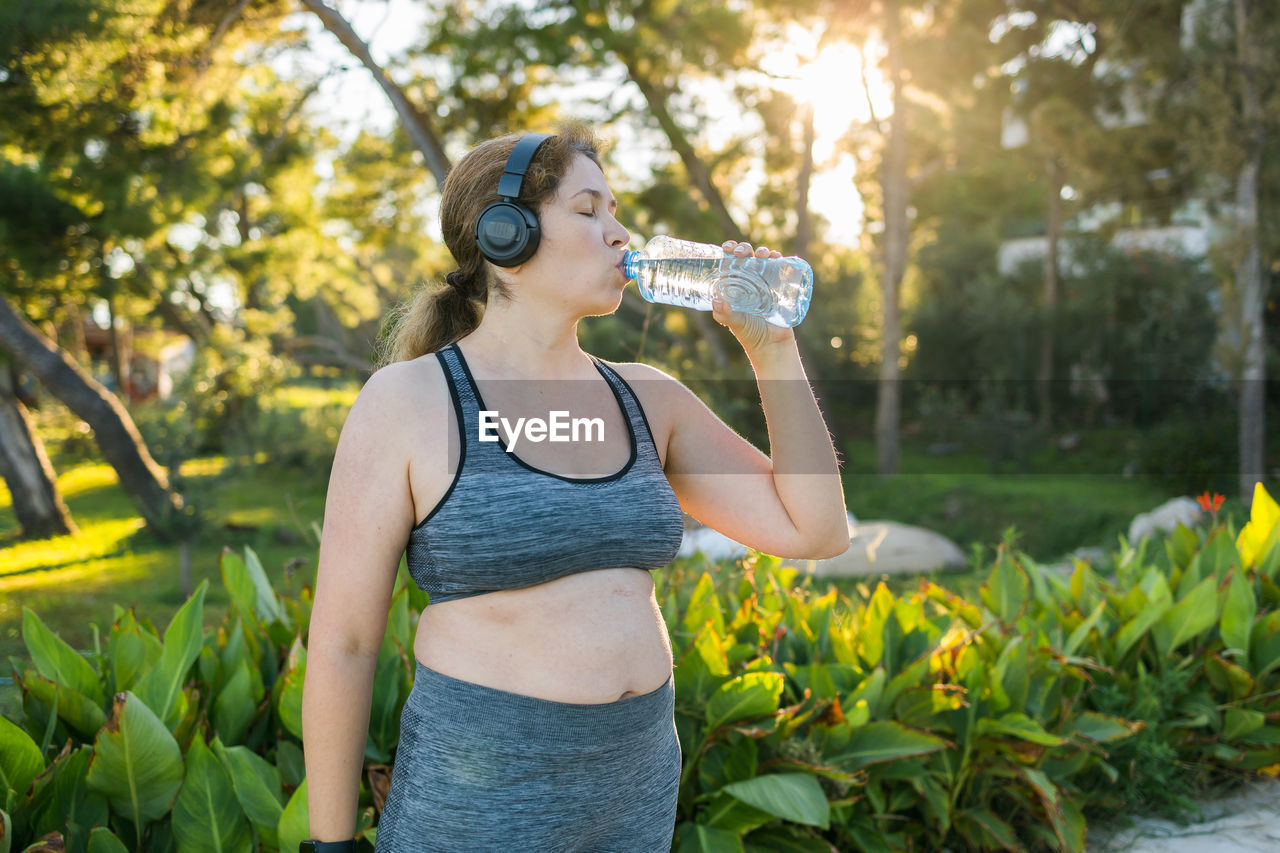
1245	822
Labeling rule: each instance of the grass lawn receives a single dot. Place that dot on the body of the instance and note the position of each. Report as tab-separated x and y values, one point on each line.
75	582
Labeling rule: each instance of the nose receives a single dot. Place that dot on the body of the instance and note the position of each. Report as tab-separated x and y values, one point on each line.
617	235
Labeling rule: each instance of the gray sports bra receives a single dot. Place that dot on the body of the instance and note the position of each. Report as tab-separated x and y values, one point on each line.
505	524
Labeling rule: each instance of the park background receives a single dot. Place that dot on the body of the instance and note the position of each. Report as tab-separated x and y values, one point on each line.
1043	233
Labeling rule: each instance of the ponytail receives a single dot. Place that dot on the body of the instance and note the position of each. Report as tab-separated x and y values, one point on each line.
434	318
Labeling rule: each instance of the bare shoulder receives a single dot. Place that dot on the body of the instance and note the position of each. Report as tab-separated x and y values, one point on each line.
414	400
638	371
660	394
415	387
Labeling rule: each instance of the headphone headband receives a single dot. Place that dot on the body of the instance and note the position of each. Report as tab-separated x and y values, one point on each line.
518	163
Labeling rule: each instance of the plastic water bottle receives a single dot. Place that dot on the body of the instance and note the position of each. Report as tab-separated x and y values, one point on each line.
679	272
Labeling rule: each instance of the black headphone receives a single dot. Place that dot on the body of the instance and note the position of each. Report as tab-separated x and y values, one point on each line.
507	231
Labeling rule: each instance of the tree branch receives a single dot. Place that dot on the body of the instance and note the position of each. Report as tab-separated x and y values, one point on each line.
413	120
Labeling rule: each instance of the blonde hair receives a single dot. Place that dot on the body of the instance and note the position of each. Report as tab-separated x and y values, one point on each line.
438	315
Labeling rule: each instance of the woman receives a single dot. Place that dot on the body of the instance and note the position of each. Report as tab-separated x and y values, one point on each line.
541	716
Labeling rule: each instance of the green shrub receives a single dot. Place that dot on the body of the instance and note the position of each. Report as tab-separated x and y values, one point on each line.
1192	453
807	721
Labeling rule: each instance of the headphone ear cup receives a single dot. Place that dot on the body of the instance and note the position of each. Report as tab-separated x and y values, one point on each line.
507	233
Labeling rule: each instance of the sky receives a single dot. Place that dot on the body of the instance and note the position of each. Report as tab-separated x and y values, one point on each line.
352	100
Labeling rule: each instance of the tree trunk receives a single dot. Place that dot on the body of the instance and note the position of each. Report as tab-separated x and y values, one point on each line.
1249	282
114	430
26	470
412	119
804	224
120	350
1049	305
893	180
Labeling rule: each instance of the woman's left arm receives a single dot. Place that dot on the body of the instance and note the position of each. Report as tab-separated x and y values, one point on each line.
790	504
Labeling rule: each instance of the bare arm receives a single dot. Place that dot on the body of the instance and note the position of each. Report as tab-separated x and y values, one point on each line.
368	516
790	504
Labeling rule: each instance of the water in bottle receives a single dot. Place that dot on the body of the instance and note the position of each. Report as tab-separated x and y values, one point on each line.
679	272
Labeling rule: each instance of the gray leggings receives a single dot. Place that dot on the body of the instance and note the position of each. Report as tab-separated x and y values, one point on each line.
482	769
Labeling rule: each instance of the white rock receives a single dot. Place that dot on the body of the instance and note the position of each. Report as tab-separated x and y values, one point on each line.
710	543
716	546
887	547
1164	519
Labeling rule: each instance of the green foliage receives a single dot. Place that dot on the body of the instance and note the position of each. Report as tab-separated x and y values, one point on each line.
807	721
1139	322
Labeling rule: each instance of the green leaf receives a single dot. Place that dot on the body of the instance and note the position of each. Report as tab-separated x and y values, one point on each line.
289	689
267	604
1181	545
57	661
869	691
797	797
1081	633
136	764
74	708
984	831
1070	834
1264	647
732	815
776	839
1019	726
131	652
103	840
704	606
709	647
20	759
884	741
258	788
294	826
727	762
753	694
62	798
870	632
207	816
1228	677
1010	674
1238	722
234	707
1007	588
1102	729
161	688
1158	602
391	687
936	804
698	838
1196	612
1238	612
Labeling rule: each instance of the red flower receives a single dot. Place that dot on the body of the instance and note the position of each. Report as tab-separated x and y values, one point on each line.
1210	504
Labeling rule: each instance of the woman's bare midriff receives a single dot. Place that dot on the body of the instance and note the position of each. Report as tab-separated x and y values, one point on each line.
587	638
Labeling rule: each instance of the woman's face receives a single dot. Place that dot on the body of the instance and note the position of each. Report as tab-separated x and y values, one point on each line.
579	259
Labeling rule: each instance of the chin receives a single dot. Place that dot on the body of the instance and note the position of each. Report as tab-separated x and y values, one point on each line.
606	308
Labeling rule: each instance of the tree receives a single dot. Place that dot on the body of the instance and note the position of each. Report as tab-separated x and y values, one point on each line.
1254	86
1224	96
102	149
140	476
26	470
